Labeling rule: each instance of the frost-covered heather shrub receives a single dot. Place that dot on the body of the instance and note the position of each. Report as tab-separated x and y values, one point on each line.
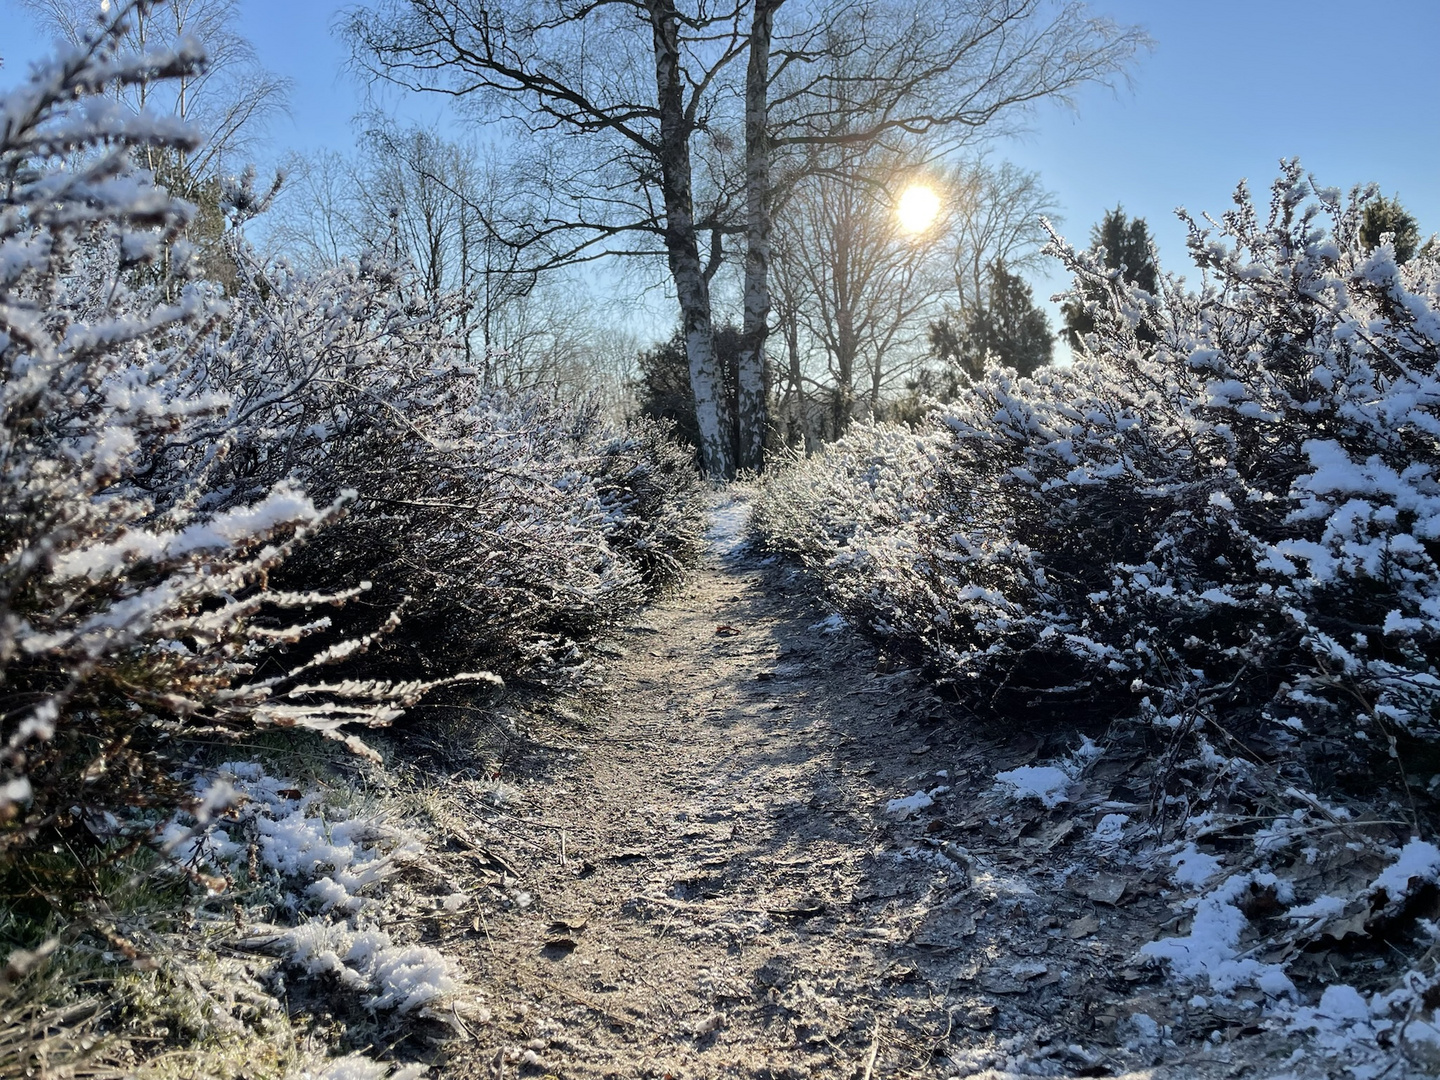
502	525
129	609
1241	515
322	867
654	508
874	479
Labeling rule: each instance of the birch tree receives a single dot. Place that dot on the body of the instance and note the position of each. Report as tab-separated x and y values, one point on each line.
751	419
611	98
849	79
624	102
682	249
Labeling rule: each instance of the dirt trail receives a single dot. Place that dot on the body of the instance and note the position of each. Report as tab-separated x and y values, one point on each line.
710	884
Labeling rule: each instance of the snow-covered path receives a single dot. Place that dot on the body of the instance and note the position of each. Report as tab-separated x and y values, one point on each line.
763	851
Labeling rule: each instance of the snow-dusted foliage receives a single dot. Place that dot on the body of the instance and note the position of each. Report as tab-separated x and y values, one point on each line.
1218	533
192	485
872	481
1240	517
325	869
314	857
502	525
129	607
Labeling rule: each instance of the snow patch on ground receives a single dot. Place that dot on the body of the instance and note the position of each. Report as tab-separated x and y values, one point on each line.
326	866
907	805
1417	859
1211	950
359	1067
326	859
1356	1033
1110	829
1322	907
833	623
1193	868
1048	783
728	520
402	978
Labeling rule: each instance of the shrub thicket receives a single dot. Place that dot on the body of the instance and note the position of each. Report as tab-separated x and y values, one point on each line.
191	486
502	524
1229	505
128	609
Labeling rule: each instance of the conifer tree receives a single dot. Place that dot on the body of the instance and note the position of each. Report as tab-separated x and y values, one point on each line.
1124	244
1388	216
1008	331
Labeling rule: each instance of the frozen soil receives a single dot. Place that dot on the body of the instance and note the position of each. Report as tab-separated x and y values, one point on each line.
699	877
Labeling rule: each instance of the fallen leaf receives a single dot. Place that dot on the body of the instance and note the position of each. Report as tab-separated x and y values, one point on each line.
1102	888
726	631
1352	923
807	908
1052	838
899	974
776	971
1082	927
710	1024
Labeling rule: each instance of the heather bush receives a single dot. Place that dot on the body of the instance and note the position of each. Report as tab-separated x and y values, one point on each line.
1226	506
205	500
129	610
502	525
873	479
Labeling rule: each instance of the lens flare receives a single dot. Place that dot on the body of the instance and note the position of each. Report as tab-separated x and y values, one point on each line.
918	207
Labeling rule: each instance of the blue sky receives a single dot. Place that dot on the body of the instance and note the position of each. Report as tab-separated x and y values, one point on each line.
1230	88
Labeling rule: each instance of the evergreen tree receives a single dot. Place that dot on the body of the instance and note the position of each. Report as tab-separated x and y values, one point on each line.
1389	216
1008	330
1127	247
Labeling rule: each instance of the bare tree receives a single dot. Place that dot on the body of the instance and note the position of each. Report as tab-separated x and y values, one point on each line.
994	219
439	197
862	289
430	201
850	78
228	101
634	103
616	94
319	218
751	420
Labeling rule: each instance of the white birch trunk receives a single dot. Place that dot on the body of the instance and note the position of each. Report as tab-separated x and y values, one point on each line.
752	419
712	407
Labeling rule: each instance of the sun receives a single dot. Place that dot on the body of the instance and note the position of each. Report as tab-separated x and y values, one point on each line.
917	208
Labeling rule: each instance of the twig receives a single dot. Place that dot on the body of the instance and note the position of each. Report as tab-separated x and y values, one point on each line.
874	1051
515	834
594	1006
